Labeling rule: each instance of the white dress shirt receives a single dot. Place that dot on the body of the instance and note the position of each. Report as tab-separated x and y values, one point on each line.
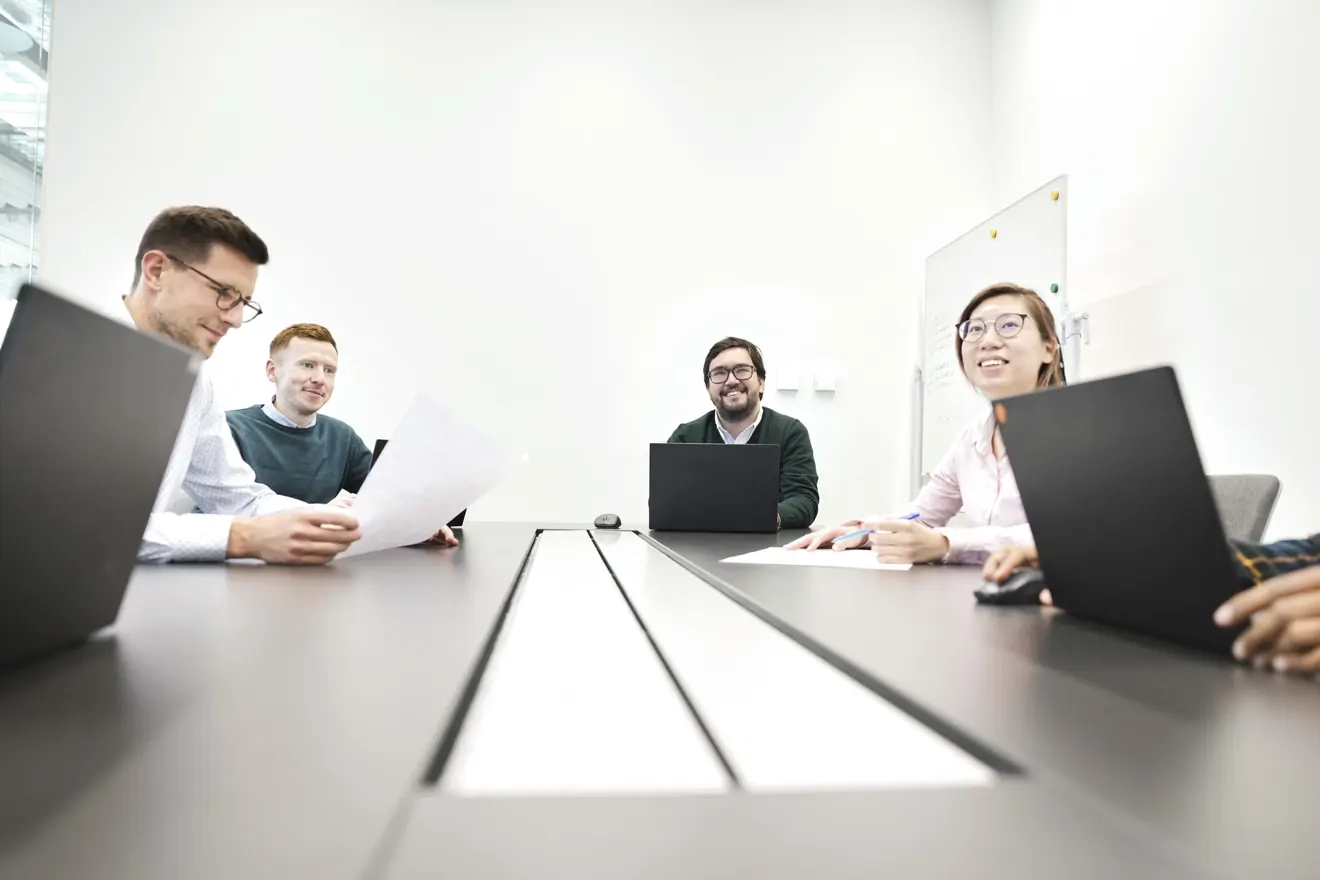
741	439
268	409
206	465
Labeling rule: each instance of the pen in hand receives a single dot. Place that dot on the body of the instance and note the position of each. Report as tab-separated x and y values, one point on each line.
860	532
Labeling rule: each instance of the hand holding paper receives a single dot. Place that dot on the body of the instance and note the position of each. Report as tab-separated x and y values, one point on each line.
434	467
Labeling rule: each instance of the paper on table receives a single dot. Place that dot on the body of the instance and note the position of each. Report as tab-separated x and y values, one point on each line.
433	467
821	558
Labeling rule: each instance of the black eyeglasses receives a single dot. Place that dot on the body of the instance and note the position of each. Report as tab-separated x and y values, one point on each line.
226	297
1007	326
720	375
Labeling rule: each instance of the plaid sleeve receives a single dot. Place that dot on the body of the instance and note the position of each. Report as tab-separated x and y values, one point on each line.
1260	562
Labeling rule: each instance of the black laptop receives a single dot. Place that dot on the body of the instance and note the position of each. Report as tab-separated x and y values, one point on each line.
91	409
1120	506
455	523
714	487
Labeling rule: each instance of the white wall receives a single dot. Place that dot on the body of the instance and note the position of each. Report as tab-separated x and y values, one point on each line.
544	213
1191	136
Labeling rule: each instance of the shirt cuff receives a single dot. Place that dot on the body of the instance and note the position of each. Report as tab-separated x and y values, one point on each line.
190	537
961	550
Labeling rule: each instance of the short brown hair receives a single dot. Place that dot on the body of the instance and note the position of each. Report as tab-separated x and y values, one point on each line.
724	345
314	332
1049	374
190	231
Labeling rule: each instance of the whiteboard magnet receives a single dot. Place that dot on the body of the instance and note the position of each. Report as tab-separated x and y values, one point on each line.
994	233
1054	194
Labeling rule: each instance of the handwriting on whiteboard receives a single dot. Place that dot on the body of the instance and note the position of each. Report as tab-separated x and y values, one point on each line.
941	364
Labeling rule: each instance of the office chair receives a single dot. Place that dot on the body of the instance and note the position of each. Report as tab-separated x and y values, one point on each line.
1245	502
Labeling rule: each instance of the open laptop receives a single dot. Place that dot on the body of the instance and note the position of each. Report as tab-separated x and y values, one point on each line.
1120	506
455	523
714	487
91	409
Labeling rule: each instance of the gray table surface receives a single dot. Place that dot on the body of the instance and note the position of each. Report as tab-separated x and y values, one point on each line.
1204	754
245	721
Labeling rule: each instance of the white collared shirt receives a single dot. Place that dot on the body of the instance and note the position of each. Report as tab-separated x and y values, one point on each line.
206	465
746	435
279	418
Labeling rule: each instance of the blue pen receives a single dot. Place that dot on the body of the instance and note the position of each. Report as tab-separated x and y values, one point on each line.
860	532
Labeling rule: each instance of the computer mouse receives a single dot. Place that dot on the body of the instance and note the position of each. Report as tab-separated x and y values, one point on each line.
1022	587
608	521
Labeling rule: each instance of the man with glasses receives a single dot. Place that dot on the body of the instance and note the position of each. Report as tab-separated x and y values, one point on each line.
734	375
194	274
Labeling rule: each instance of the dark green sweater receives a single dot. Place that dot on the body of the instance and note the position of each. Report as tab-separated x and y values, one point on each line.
799	498
310	464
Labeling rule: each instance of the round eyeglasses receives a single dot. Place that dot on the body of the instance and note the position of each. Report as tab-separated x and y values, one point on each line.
226	297
720	375
1006	325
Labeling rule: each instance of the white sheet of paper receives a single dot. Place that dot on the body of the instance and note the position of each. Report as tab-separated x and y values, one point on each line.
433	467
818	558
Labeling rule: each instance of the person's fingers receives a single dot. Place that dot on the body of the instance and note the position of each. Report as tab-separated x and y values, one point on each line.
330	516
331	542
893	556
1003	561
813	540
1307	662
993	564
1260	636
443	537
1046	598
882	539
320	548
1299	635
1249	601
851	543
1244	604
327	533
1297	605
309	556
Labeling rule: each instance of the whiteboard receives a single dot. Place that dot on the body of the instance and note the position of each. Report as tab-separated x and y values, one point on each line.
1025	244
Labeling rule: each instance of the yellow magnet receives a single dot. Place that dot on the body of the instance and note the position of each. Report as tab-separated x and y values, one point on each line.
1054	194
994	233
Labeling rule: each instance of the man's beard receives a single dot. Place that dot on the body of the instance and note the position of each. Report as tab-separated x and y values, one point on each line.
731	414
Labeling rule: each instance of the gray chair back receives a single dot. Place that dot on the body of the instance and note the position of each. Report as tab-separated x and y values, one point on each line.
1245	502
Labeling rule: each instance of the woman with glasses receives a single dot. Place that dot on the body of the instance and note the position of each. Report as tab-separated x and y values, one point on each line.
1006	345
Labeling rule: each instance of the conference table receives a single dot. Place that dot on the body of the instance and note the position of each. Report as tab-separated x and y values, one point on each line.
553	701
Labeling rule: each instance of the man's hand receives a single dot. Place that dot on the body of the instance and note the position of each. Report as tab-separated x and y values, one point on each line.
311	535
343	500
903	540
444	537
1004	560
826	538
1284	615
